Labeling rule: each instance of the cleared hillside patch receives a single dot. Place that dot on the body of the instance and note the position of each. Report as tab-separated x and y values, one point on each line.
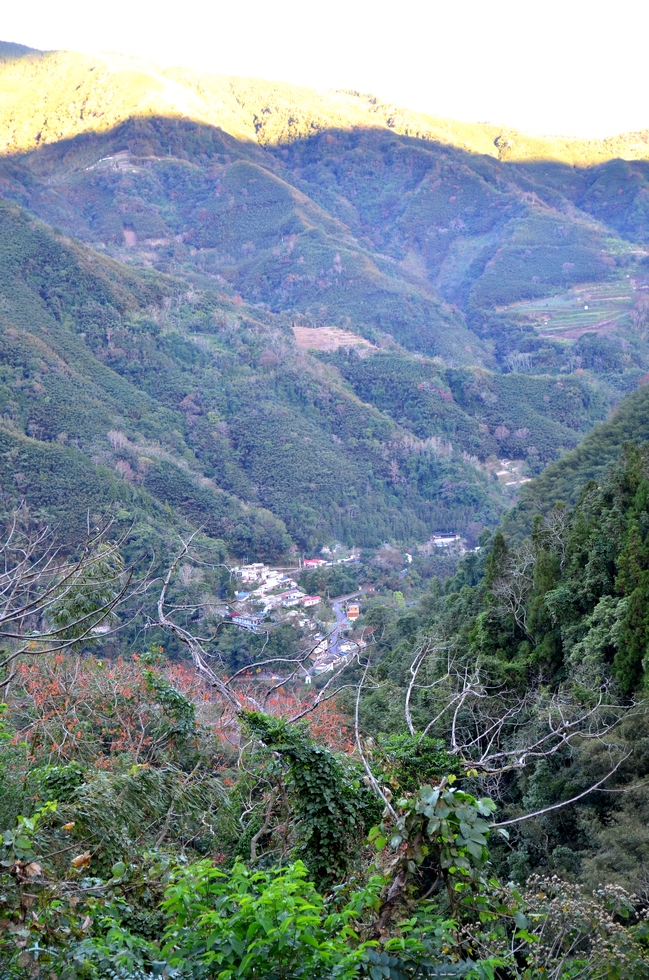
330	338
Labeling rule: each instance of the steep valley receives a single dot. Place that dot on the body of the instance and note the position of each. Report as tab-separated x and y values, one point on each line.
167	236
324	551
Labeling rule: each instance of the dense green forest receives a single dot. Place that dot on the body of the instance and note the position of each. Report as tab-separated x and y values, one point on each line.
563	480
183	400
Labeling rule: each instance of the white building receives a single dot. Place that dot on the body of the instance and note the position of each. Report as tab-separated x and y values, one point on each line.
251	573
289	598
346	648
292	597
322	647
446	540
272	602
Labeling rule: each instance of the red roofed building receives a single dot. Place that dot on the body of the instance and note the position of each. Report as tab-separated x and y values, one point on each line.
311	600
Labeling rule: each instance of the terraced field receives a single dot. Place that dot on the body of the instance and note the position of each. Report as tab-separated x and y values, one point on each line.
601	308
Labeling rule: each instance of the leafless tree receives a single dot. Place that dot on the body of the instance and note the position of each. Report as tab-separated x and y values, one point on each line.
555	529
51	601
511	590
494	730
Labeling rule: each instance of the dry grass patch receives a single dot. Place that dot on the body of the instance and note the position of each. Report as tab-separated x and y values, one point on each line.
329	338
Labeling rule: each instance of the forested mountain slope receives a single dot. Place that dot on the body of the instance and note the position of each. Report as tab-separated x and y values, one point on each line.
564	480
541	630
95	92
490	290
185	399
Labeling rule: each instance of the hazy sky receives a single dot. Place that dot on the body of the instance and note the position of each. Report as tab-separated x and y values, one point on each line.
558	66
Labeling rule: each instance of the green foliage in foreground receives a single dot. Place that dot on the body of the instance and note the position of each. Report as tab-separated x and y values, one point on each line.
156	916
412	759
331	802
146	832
262	924
124	859
547	629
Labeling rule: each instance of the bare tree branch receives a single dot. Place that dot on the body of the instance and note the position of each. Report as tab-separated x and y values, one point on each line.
359	747
198	654
493	730
230	687
415	666
558	806
37	583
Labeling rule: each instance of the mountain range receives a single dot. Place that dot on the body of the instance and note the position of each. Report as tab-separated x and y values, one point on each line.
290	317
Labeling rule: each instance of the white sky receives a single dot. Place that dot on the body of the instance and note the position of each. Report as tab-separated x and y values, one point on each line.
554	66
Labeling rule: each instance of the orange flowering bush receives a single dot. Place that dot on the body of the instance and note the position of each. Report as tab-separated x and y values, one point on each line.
94	711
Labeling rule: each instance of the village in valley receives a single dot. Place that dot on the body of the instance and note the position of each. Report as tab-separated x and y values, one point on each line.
267	596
